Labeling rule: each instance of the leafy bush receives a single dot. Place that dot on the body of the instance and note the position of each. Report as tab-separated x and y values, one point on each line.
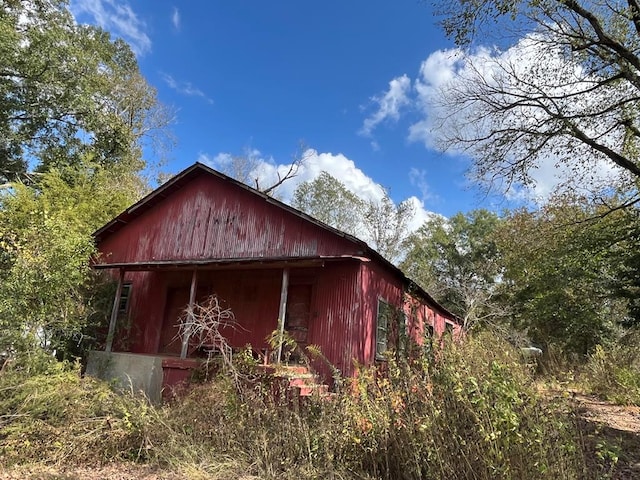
466	411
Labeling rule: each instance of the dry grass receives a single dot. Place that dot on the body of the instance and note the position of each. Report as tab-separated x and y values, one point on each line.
468	412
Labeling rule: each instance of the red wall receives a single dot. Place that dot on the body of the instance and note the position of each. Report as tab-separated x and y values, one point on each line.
335	322
338	319
210	218
253	296
380	283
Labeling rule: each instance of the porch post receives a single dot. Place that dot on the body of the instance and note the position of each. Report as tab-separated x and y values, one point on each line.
283	309
114	312
192	299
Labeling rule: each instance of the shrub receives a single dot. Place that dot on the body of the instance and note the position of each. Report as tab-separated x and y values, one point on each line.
613	373
466	412
463	411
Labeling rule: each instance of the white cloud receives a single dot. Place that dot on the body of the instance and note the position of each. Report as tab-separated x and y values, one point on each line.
266	170
436	72
421	214
389	105
175	18
444	73
418	178
117	18
337	165
185	88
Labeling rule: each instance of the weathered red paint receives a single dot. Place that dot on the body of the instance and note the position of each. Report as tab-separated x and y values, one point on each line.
212	218
176	373
205	217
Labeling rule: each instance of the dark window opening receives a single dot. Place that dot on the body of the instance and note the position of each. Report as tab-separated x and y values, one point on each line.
384	319
448	328
125	297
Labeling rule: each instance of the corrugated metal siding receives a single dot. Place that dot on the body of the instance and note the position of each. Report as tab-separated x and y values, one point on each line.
211	218
378	284
252	295
381	284
132	335
419	315
337	323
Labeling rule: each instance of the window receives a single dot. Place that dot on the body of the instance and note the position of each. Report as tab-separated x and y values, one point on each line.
429	332
125	296
448	328
427	345
384	319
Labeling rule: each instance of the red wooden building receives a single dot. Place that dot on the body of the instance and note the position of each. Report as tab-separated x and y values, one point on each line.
204	233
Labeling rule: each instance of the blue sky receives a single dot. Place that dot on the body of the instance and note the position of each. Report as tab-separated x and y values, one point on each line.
258	78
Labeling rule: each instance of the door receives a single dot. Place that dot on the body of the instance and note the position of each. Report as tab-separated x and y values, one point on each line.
298	313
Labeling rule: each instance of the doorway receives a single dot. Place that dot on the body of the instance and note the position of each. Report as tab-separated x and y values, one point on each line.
298	313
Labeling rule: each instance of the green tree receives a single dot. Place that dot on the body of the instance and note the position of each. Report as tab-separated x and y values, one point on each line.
381	223
566	92
48	292
561	271
327	199
620	241
387	225
68	90
458	261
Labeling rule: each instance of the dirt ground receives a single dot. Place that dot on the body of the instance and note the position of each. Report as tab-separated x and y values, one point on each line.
117	471
610	434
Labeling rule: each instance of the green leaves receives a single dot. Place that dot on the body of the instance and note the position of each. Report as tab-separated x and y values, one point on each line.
66	91
47	290
560	272
382	224
328	200
457	261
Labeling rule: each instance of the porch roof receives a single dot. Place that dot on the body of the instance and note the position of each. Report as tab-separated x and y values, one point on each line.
213	263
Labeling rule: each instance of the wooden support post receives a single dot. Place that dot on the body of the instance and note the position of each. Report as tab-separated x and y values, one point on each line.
283	310
192	301
114	312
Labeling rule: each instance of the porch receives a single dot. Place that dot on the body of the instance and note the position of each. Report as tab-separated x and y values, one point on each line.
147	344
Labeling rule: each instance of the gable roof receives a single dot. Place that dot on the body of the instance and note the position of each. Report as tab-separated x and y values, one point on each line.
198	169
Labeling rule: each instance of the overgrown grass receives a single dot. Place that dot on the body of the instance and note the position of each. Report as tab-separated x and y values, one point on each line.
613	373
58	417
466	411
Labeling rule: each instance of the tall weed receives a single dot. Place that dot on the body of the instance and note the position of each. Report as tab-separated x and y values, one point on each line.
613	372
460	411
464	411
57	416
